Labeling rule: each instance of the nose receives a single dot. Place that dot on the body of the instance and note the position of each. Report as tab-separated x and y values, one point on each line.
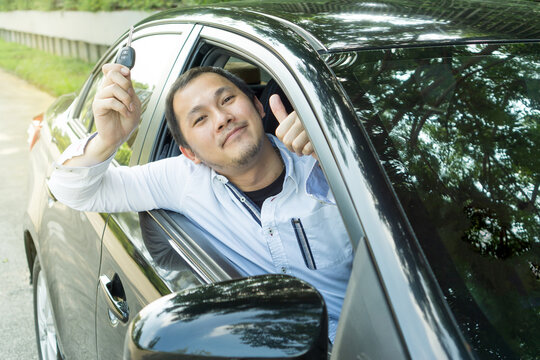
222	119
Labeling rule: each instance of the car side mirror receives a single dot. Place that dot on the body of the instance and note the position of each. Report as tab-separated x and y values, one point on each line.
267	316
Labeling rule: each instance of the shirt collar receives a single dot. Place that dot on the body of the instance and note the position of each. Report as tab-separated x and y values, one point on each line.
286	155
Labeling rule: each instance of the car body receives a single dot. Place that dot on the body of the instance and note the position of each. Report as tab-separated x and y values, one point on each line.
425	118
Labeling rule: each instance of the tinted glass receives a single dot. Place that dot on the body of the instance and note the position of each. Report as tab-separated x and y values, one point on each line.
458	132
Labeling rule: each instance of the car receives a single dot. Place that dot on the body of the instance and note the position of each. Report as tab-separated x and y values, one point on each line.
425	117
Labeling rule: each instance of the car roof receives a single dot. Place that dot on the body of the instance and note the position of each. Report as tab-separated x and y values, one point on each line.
343	25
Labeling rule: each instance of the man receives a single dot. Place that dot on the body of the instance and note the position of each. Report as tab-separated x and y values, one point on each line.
269	208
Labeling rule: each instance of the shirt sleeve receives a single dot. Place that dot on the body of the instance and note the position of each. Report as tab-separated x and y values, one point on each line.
317	186
75	149
106	188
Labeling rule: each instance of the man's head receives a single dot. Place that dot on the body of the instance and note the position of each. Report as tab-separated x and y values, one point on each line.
219	115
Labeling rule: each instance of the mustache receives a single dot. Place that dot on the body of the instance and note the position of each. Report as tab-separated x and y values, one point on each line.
229	130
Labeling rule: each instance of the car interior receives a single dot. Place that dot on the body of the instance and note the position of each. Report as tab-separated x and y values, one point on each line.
260	82
156	240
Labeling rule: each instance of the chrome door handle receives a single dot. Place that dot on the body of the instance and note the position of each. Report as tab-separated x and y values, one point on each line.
117	305
51	199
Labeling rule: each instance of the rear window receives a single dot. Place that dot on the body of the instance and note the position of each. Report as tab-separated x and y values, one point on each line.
458	132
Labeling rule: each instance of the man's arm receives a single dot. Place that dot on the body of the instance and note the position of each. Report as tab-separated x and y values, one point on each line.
117	110
82	178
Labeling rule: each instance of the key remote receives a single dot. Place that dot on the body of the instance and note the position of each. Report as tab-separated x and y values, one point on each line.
127	54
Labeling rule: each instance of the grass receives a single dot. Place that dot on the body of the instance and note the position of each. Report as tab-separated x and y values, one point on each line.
54	74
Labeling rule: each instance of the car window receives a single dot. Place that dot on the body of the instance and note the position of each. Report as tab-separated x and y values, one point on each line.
457	130
163	250
86	115
308	245
154	55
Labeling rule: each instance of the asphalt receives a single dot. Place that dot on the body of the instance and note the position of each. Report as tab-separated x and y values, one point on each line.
19	103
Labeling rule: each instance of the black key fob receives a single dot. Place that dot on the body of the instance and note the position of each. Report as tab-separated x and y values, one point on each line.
127	54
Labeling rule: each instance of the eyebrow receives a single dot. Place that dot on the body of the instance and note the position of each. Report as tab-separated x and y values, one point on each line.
217	94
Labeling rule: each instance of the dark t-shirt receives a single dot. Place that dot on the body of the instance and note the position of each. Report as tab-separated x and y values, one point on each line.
258	196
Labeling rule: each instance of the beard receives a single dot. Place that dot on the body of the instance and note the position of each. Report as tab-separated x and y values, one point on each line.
241	160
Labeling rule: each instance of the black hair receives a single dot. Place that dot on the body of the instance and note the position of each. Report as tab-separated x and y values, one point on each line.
183	81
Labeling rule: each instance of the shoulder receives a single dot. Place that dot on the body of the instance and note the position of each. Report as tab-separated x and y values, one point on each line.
174	170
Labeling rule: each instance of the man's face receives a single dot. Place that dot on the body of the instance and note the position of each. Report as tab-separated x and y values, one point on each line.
220	123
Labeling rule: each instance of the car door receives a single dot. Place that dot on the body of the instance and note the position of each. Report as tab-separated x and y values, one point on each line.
70	240
306	81
129	277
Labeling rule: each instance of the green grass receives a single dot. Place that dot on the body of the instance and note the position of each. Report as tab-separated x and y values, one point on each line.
54	74
99	5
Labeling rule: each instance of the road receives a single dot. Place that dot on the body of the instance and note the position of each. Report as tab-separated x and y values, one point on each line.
19	103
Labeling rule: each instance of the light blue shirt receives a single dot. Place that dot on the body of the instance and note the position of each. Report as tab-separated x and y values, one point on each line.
297	232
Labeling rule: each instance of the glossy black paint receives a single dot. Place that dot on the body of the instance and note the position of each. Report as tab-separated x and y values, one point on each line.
268	316
419	314
390	23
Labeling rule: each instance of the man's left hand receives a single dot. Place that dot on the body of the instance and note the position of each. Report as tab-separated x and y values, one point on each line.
290	131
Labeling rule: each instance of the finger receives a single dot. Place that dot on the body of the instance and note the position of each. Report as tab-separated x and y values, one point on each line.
115	91
114	77
285	126
278	109
103	106
106	68
293	132
300	143
308	149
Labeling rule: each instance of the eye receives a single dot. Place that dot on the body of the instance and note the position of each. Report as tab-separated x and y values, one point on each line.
228	98
199	119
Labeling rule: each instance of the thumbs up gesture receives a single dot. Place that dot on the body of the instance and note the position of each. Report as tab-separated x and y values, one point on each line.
290	131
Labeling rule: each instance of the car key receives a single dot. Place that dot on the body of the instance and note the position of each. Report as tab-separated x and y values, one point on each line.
127	54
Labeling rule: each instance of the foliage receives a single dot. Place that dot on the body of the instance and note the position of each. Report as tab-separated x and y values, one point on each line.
55	74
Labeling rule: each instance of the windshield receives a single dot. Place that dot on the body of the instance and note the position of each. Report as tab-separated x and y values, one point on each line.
457	130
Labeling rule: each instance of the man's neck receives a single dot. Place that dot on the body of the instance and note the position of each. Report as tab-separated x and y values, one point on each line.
263	170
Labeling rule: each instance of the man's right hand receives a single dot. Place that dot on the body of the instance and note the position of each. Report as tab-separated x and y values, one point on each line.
117	110
116	106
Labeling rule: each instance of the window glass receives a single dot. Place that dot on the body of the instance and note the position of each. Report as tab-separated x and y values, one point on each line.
154	57
86	114
458	131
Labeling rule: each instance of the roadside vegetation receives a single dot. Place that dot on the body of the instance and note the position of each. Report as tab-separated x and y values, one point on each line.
98	5
108	5
54	74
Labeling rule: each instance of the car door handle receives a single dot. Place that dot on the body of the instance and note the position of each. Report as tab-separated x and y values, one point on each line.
51	199
116	298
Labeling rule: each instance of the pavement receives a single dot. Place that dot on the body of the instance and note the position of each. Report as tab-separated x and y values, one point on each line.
19	103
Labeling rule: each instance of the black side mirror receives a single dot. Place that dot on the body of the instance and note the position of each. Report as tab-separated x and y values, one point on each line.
268	316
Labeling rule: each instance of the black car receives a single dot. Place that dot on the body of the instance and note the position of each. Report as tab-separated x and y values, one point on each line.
425	116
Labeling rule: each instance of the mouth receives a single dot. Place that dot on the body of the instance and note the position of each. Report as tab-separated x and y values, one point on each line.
233	133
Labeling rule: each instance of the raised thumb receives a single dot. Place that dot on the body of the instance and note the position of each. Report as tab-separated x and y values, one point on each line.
277	107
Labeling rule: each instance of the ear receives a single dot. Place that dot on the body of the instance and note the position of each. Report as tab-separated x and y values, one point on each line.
190	154
259	106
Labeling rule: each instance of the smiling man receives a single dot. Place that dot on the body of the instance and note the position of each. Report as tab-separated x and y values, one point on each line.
269	207
225	129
